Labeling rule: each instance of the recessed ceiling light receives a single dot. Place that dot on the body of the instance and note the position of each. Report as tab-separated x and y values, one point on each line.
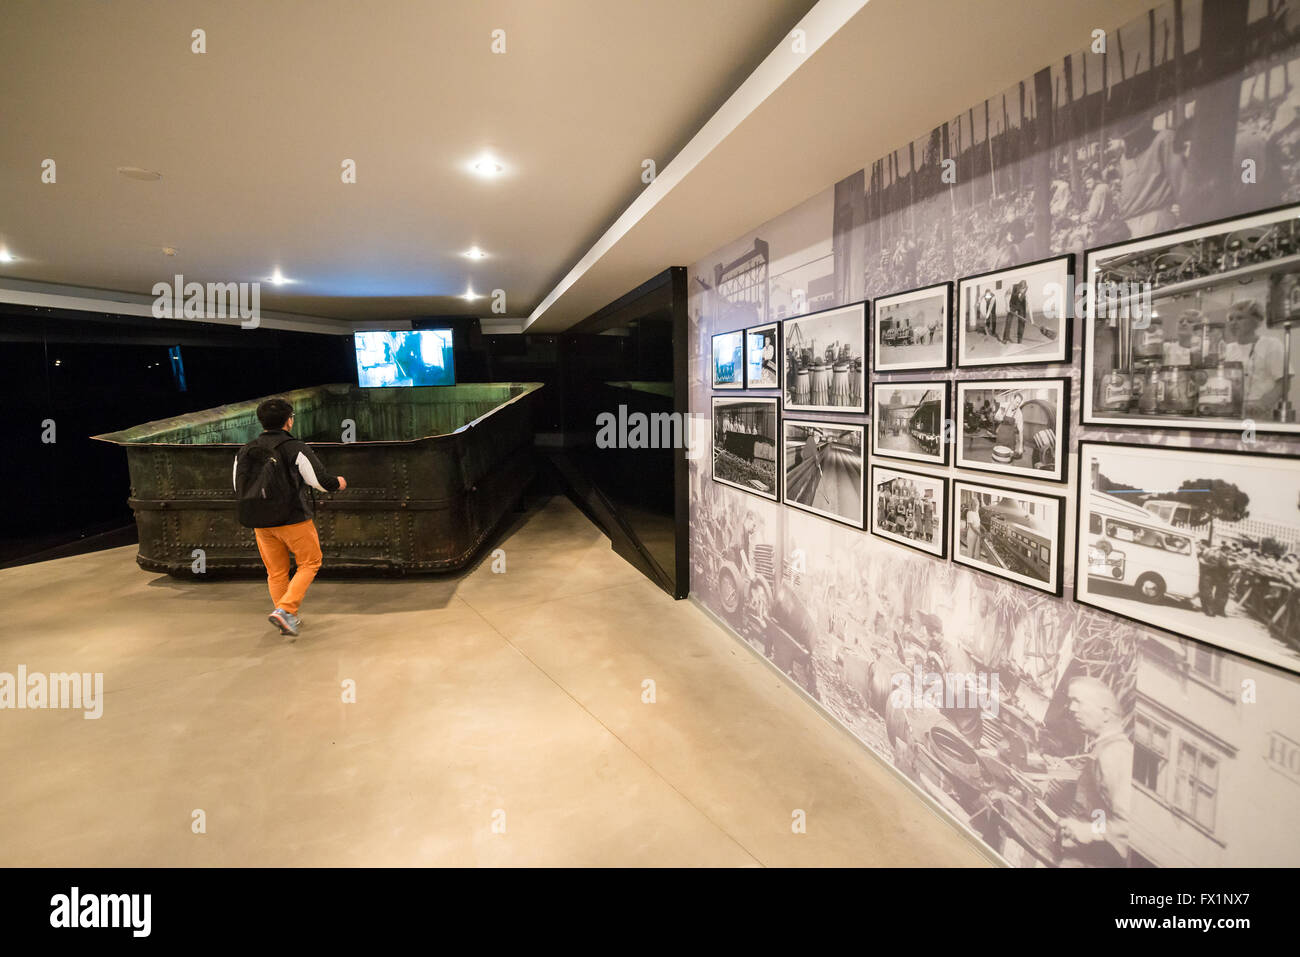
486	166
6	256
471	295
277	279
475	253
140	173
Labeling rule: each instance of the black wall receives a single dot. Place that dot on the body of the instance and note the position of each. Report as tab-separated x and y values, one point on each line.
92	373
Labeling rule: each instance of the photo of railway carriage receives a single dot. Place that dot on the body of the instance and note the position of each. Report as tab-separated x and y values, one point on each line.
908	421
1010	533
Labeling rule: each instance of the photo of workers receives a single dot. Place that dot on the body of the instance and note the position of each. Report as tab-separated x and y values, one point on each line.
910	330
1194	330
823	469
909	508
1010	533
908	421
1014	426
1202	544
1100	717
728	360
1016	316
763	357
744	444
825	360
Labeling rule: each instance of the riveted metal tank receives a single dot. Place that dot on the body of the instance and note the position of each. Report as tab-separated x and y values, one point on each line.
431	473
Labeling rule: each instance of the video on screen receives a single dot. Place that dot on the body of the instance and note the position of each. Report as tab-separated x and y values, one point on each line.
405	358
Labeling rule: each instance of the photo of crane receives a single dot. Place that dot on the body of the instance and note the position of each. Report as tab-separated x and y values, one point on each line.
825	360
823	469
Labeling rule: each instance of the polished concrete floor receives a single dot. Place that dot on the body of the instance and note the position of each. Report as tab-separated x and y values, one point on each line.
498	720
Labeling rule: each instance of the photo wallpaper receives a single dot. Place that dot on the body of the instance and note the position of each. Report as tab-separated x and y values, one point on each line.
936	618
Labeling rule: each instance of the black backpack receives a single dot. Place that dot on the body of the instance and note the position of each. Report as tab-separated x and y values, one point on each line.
265	495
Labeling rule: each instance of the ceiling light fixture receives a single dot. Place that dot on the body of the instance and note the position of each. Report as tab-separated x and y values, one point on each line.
277	278
140	173
471	295
475	253
6	256
486	166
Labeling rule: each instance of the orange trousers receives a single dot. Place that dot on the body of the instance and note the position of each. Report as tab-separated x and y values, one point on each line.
276	545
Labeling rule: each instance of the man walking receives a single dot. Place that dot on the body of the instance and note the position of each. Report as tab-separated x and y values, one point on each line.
271	476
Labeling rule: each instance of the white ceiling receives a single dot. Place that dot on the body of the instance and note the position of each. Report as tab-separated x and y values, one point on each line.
250	135
892	73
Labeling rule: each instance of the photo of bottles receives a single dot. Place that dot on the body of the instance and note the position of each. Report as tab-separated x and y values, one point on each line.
1193	329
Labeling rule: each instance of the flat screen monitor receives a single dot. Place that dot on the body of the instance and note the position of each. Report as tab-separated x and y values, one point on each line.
404	358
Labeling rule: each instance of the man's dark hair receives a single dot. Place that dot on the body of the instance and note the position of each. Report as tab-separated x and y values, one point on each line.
274	413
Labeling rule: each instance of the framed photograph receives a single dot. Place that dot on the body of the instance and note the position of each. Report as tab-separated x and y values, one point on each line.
1017	316
1014	426
745	443
763	356
907	421
825	360
910	508
1192	329
1011	533
728	360
1202	544
910	330
823	471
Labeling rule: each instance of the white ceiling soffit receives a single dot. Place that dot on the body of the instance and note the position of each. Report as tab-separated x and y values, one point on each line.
877	74
44	295
250	138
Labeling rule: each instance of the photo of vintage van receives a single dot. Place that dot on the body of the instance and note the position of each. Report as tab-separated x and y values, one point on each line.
1202	543
1133	546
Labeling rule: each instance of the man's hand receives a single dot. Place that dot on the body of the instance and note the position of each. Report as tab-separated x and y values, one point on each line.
343	483
1075	831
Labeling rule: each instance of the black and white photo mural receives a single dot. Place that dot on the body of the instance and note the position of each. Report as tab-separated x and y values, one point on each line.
824	469
907	421
745	443
825	360
910	330
763	357
1016	316
1122	728
1013	426
1202	544
1193	329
